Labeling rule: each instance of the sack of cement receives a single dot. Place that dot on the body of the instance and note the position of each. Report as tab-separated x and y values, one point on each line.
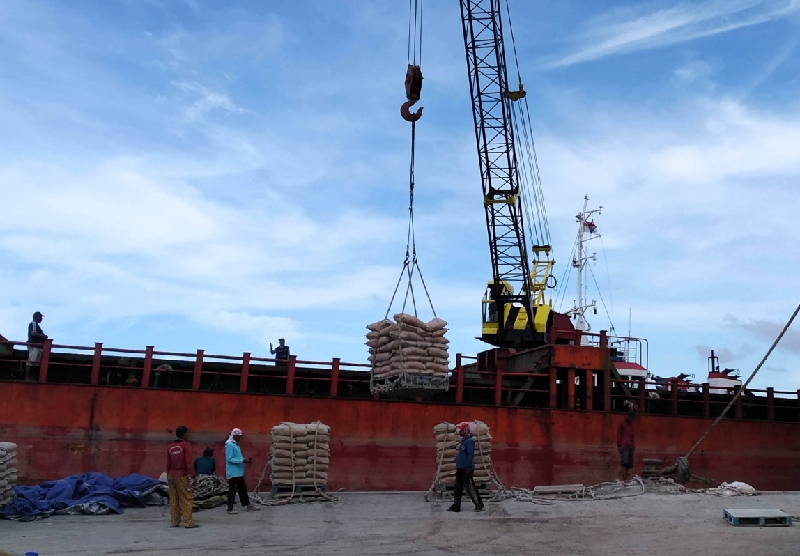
300	454
410	346
8	472
448	441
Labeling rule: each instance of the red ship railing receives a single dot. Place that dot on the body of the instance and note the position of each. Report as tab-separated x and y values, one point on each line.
555	388
284	369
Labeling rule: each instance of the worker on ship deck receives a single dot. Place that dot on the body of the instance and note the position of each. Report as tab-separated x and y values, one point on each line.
35	336
626	444
281	352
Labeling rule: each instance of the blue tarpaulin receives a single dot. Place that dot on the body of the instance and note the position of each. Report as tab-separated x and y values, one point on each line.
90	493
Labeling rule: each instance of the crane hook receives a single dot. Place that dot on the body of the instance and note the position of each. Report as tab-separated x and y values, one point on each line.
413	90
406	113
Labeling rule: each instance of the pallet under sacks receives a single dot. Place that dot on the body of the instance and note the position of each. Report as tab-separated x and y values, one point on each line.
447	442
299	459
408	354
8	472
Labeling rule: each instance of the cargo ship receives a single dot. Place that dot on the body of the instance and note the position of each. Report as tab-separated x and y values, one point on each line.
553	413
552	391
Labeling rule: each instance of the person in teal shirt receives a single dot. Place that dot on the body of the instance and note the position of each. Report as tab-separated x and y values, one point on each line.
234	471
206	464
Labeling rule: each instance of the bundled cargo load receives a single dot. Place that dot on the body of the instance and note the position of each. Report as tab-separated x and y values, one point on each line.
408	353
8	472
448	440
299	457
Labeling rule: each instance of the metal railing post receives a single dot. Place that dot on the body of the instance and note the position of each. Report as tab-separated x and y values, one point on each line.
739	406
570	389
642	397
335	376
798	404
498	385
44	364
98	354
148	366
606	390
706	400
290	367
553	387
198	370
459	379
589	389
770	404
673	410
245	372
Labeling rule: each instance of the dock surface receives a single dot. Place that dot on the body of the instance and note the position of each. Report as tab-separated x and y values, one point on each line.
394	524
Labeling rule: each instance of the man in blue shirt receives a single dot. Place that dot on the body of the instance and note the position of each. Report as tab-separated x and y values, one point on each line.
465	467
35	336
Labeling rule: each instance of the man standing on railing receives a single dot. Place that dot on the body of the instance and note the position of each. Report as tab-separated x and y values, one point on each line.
626	444
35	336
281	352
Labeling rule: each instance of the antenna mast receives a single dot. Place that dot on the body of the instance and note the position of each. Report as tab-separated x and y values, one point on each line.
587	231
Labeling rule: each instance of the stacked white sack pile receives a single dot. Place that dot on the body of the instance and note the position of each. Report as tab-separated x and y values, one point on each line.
408	345
300	454
447	442
8	472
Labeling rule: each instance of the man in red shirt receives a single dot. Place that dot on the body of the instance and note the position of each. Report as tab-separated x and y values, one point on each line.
626	444
179	467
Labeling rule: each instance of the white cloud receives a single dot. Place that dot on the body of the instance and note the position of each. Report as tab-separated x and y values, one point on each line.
208	100
692	71
629	30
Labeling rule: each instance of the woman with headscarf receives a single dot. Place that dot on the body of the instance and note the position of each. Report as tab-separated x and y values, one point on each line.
234	471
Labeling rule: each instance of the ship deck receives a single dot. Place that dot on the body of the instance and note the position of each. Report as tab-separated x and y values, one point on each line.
393	524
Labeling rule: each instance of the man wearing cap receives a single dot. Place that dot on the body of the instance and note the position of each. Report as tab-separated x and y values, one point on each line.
281	352
465	467
234	471
35	336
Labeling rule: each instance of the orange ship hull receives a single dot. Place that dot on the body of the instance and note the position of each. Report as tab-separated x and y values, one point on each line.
376	444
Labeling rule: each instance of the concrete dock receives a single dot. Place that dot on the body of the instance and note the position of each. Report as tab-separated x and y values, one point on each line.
393	524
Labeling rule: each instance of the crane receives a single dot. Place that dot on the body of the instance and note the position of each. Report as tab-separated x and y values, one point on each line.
515	313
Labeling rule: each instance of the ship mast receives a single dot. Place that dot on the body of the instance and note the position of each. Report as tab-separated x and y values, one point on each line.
587	231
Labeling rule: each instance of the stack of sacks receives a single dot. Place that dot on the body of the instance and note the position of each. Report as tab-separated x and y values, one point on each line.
408	345
299	454
8	472
447	442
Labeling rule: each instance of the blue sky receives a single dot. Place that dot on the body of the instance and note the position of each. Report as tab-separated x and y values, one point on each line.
197	174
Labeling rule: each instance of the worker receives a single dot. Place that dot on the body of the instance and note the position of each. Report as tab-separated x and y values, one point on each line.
132	380
465	467
626	444
205	464
35	336
179	457
281	352
234	471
